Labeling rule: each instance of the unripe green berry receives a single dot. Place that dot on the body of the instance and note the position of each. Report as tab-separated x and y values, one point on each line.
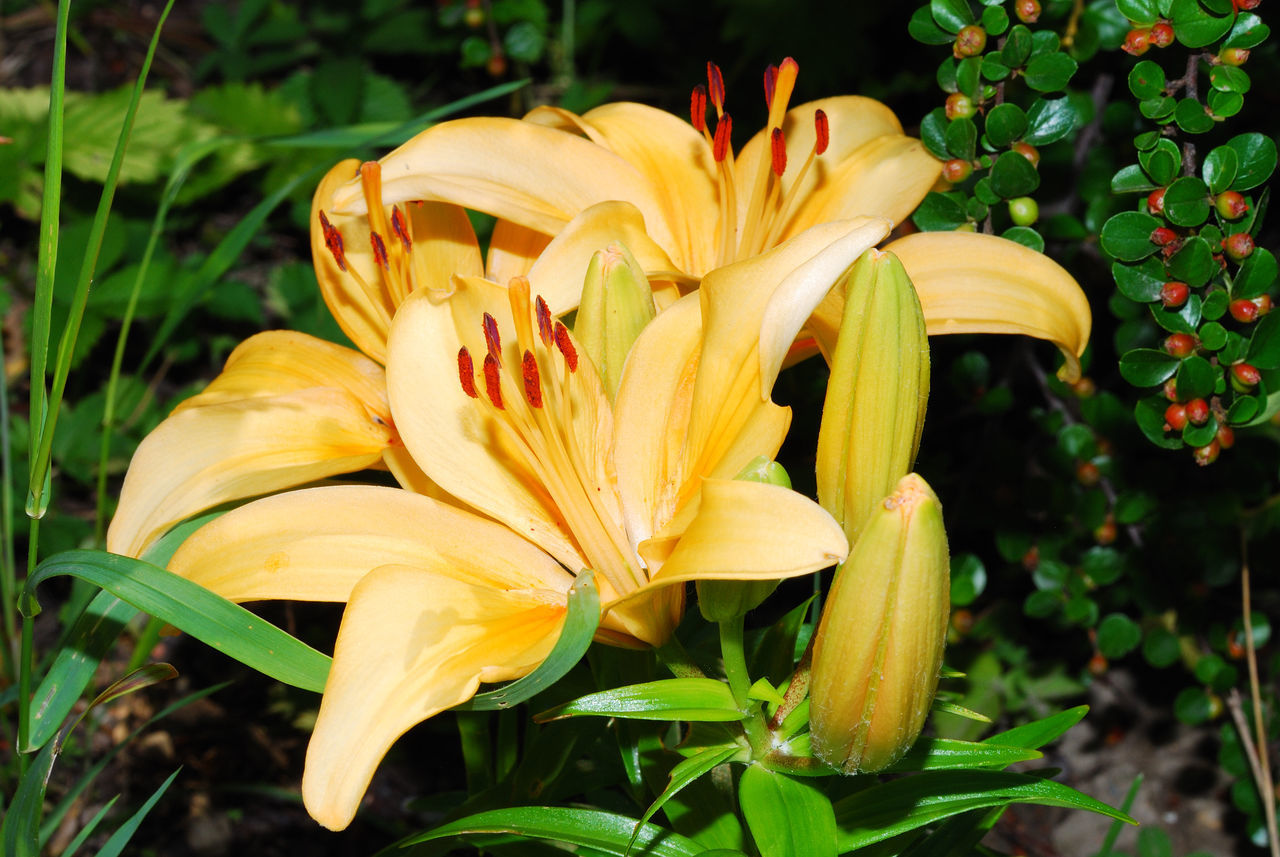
960	106
956	170
1023	211
1231	205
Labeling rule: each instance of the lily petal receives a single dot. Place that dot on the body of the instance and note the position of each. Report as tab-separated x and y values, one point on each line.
414	642
513	249
316	544
236	444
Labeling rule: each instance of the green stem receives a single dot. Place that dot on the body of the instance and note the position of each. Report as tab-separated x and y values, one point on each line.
735	660
25	658
8	563
674	657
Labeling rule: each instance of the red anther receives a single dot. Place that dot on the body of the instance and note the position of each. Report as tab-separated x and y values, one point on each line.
401	230
698	108
492	381
715	87
779	144
770	84
720	143
532	383
491	338
545	332
565	344
379	251
333	240
467	373
822	130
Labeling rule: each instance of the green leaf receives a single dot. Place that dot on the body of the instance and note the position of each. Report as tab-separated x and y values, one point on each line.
1050	120
1194	27
1161	161
1192	706
1194	263
968	579
962	139
943	754
1196	377
993	69
968	76
1200	435
1038	733
951	15
787	817
1147	367
1264	345
1005	124
606	832
1161	647
933	133
685	773
116	844
524	42
1248	32
1224	105
1159	109
922	28
1017	46
1127	236
1257	159
1149	415
1012	175
1146	80
1050	72
895	807
1228	78
1256	275
1214	305
1144	13
1026	236
1142	283
575	638
1186	202
1219	168
697	699
189	607
18	832
1131	179
995	20
1118	635
1213	335
1192	118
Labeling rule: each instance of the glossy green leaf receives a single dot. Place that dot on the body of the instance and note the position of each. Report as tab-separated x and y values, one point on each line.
943	754
685	773
1264	345
1224	105
1256	275
933	132
925	30
1194	263
606	832
1194	26
951	15
1149	415
189	607
1161	161
787	817
1200	435
1248	32
1257	159
1141	12
993	69
1159	109
1017	46
696	699
1118	635
19	830
1184	319
1142	282
1147	367
1026	236
580	624
962	139
1050	120
895	807
1040	732
1186	202
1196	377
1132	179
1219	168
1146	80
1229	78
1005	123
995	20
1213	335
969	76
1214	305
1192	118
968	579
1050	72
1012	175
1127	236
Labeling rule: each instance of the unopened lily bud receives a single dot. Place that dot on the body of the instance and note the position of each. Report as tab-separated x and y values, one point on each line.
617	303
876	396
722	600
878	650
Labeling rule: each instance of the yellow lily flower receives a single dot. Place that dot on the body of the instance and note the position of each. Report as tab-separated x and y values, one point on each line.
827	160
499	405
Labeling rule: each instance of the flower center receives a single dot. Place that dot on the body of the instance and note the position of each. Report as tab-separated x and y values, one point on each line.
767	208
551	407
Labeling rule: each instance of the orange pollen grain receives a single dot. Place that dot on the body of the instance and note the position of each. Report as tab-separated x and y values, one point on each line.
779	146
565	344
492	381
698	108
333	240
720	145
491	338
545	333
532	383
379	251
822	130
467	373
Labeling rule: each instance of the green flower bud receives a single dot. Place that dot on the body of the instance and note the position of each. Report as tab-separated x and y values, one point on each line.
617	302
874	411
878	650
722	600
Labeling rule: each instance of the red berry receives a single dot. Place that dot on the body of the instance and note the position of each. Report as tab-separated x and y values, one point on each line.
960	106
957	170
1233	56
1084	388
1028	11
962	621
1171	390
497	64
1231	204
1197	412
1244	376
1137	42
1208	454
1174	294
1161	34
1263	303
1243	310
1028	151
1098	664
1087	473
1226	437
1175	417
1246	4
1238	246
970	41
1180	344
1162	236
1155	202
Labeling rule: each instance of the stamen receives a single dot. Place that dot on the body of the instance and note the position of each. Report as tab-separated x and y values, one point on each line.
379	251
521	312
333	240
565	344
491	338
779	145
399	227
770	84
492	381
724	129
532	383
543	312
698	108
467	373
822	131
715	87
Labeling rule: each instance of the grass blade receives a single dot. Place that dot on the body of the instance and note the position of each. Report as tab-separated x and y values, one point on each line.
125	832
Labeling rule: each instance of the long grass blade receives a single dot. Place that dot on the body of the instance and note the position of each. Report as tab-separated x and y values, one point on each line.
125	832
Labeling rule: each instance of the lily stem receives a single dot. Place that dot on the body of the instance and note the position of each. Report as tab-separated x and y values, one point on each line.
735	660
674	657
